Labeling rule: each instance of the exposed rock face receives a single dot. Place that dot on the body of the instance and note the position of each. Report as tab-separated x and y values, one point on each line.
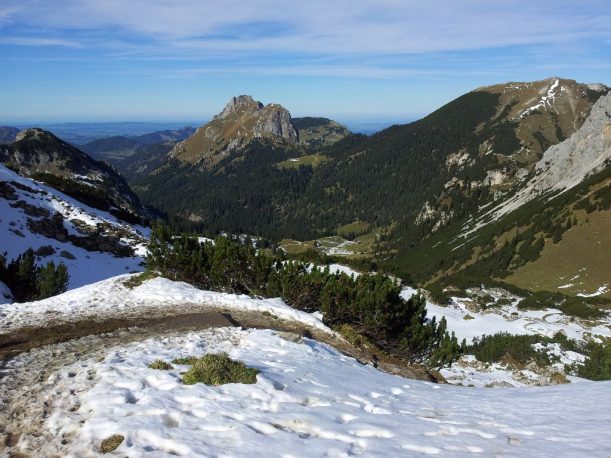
105	239
242	120
276	120
238	106
566	164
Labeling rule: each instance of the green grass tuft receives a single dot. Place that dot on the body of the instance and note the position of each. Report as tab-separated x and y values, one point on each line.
219	369
185	360
161	365
111	443
137	280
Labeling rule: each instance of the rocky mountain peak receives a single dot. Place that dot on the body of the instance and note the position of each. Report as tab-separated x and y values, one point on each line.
240	104
242	120
35	133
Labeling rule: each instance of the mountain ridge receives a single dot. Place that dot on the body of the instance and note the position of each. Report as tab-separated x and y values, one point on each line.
38	153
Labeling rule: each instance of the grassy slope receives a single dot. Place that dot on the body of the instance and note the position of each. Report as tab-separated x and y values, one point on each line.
583	252
444	255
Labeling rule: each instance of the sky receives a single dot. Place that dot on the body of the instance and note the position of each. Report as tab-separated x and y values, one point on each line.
148	60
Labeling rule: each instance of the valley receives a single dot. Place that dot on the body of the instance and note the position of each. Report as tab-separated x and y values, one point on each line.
458	253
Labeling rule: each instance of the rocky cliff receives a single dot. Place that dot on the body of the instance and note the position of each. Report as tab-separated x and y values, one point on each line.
568	163
242	120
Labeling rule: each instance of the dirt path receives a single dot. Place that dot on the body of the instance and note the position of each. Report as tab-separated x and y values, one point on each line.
31	358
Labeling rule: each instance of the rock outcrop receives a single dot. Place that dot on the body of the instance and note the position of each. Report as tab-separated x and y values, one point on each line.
568	163
242	120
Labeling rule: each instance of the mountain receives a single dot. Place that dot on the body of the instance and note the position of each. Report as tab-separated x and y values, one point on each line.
116	148
550	234
407	181
8	134
244	120
111	148
40	154
93	244
164	136
144	160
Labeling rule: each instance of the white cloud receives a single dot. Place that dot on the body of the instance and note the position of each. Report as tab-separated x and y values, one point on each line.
322	26
32	41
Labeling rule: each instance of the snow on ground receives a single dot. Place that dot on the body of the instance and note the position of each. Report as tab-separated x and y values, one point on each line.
601	290
546	101
469	321
341	249
308	400
508	318
88	266
468	371
112	298
339	268
333	268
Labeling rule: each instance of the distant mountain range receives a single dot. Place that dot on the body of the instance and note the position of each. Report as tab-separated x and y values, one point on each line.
120	146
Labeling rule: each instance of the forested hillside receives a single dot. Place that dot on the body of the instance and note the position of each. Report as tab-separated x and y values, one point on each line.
415	178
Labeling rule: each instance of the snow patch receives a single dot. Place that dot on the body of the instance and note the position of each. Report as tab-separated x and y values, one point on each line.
601	290
309	399
87	266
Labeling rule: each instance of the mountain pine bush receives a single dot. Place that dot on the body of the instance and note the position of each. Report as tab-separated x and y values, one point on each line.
371	304
28	282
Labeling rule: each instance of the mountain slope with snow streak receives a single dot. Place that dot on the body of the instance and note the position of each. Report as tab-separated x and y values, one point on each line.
564	165
93	244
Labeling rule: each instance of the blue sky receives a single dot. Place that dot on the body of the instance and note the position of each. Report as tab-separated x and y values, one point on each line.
109	60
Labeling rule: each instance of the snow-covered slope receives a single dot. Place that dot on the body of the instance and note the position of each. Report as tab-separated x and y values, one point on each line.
309	400
469	321
112	298
92	243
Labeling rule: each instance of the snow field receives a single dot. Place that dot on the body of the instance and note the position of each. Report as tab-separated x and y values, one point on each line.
508	318
310	400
